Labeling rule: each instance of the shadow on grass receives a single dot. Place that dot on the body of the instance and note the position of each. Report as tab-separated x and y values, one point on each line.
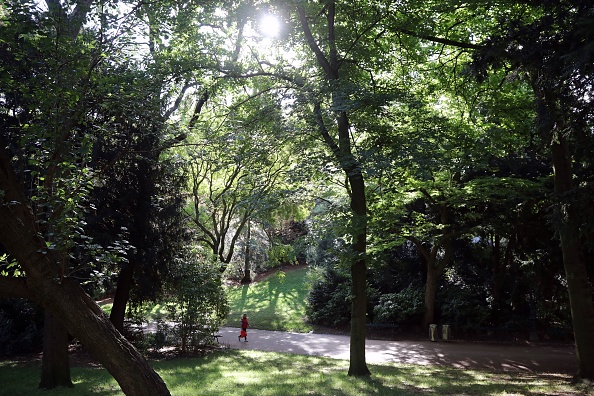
276	303
259	373
270	374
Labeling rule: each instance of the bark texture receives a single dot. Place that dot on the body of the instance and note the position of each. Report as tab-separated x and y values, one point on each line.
62	296
55	367
578	284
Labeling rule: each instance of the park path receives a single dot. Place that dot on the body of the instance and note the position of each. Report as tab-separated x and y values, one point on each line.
527	357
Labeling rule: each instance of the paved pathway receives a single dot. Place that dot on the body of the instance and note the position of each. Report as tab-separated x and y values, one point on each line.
502	357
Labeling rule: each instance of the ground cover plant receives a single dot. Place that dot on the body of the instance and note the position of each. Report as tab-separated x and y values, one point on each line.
275	303
265	373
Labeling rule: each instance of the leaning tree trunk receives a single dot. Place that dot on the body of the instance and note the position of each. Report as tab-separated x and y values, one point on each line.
55	366
63	296
578	285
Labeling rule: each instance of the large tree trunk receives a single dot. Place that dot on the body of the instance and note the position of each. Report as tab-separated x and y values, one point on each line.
578	285
55	366
63	297
358	363
435	268
122	295
430	295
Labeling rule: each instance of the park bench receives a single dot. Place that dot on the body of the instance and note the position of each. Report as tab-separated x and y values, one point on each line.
381	329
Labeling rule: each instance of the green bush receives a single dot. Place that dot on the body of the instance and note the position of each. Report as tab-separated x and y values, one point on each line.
197	303
329	299
463	308
407	306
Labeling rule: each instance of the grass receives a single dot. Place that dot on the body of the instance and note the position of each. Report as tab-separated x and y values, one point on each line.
275	303
270	374
278	303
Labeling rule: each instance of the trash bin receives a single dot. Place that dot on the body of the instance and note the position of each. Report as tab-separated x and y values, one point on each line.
445	332
433	332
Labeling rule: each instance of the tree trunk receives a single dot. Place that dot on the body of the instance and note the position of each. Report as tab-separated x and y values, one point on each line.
435	268
351	166
55	367
122	295
247	278
358	363
578	285
430	295
63	297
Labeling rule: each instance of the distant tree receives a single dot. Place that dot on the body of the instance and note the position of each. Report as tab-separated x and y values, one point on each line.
237	174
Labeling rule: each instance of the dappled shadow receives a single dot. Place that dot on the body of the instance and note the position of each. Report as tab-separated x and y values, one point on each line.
502	357
462	355
273	374
244	295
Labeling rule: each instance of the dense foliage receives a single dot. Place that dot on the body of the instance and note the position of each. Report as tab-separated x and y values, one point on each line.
443	150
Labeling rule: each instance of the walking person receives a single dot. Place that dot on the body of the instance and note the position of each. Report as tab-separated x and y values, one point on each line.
244	327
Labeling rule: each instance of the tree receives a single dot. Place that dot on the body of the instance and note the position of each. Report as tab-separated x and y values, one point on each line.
138	197
555	54
238	171
44	118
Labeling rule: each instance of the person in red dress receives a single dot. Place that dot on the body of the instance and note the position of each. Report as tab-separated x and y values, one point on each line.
244	326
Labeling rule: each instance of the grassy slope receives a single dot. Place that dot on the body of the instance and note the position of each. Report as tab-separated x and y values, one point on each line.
241	373
275	303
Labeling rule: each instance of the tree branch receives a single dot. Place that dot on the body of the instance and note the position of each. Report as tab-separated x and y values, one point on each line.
313	45
435	39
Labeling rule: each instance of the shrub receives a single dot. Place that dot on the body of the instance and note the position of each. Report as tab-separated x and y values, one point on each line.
463	308
197	304
407	306
329	298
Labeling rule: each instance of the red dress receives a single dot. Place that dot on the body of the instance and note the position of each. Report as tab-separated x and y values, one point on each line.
244	326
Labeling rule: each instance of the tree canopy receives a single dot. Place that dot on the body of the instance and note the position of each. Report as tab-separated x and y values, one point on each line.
448	142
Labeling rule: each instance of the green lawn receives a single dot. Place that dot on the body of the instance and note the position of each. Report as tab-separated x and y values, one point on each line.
278	303
275	303
241	373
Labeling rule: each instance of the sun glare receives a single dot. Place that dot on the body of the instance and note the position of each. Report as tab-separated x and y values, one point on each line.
269	25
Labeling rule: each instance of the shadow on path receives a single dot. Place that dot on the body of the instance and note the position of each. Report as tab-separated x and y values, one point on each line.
458	354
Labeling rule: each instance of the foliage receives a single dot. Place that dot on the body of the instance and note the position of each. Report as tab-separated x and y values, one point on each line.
270	374
21	327
138	201
404	307
197	303
463	308
238	165
328	302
